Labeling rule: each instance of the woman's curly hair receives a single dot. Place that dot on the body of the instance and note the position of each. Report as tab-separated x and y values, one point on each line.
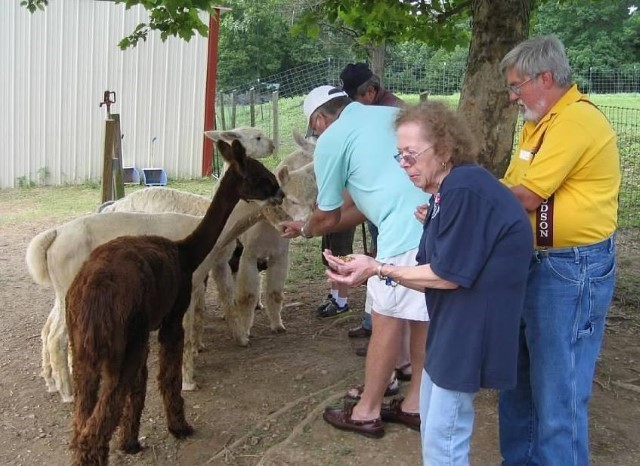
446	129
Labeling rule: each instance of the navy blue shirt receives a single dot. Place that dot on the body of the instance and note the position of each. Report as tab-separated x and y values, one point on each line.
478	236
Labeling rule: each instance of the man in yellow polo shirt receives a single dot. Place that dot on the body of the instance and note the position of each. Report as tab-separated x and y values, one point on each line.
566	173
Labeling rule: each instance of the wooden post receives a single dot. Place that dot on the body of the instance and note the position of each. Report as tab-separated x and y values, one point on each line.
276	122
118	182
222	122
107	160
424	96
252	106
112	183
234	103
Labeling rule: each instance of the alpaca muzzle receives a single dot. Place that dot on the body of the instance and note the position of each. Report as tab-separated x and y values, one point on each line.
277	198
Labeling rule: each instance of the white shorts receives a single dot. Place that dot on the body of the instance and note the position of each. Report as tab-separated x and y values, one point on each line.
396	301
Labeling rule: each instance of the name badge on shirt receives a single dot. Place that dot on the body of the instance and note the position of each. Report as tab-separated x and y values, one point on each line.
525	155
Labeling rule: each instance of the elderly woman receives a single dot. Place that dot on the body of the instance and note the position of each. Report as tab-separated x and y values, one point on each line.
472	266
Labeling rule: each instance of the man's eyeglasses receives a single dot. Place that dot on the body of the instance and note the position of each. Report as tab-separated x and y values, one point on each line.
410	157
517	88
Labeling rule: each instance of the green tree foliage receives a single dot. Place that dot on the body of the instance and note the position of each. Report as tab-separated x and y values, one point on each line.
443	23
178	18
255	41
601	34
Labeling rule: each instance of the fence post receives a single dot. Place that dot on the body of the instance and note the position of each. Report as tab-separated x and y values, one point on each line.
222	121
234	102
276	122
118	182
112	184
252	106
589	81
107	179
444	74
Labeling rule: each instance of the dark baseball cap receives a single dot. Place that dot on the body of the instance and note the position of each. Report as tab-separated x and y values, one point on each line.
353	75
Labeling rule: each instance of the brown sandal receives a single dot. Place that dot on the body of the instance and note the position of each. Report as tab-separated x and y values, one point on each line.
402	374
392	389
393	412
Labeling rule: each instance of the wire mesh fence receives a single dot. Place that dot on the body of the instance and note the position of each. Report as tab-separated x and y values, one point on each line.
438	78
275	105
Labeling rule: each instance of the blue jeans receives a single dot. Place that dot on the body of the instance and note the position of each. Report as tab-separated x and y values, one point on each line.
544	420
446	424
366	321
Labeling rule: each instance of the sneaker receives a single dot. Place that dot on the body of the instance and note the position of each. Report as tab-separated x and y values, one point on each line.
359	332
333	310
328	300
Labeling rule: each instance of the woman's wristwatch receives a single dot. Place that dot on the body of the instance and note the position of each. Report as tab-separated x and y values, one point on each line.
304	234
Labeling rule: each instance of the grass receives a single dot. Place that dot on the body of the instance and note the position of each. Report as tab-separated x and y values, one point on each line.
31	203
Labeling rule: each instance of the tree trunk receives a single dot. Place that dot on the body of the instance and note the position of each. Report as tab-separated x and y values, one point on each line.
376	58
498	25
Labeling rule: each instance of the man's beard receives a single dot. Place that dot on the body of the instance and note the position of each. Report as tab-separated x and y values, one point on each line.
532	114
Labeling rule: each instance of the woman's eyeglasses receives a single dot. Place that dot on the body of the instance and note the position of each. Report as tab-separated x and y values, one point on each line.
410	157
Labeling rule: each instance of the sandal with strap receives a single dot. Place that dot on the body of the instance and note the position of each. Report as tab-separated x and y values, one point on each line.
355	393
393	412
402	374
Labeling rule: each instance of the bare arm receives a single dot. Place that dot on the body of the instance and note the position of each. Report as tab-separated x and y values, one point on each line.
322	222
417	277
529	200
361	267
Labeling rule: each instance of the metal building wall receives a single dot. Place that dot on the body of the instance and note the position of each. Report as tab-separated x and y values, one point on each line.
55	66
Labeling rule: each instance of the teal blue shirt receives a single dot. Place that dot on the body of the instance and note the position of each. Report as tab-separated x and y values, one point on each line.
356	153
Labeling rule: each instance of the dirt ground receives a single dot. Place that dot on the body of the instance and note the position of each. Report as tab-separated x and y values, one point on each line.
263	404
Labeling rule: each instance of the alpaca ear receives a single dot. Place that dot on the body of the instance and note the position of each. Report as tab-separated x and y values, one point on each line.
226	136
238	154
282	175
230	135
215	135
225	150
302	142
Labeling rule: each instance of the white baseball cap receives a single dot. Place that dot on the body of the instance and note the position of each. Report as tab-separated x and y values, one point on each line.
320	96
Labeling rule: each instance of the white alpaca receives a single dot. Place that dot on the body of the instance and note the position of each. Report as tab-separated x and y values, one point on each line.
262	242
45	269
55	256
258	230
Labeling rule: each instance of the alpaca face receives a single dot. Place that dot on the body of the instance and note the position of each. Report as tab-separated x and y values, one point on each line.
300	191
256	182
256	144
259	184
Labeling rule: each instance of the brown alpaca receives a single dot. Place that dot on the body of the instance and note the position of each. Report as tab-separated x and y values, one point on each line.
127	288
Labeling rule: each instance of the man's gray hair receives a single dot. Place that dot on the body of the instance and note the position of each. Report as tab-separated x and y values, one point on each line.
539	54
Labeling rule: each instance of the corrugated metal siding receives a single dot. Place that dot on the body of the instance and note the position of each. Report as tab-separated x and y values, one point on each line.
54	68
